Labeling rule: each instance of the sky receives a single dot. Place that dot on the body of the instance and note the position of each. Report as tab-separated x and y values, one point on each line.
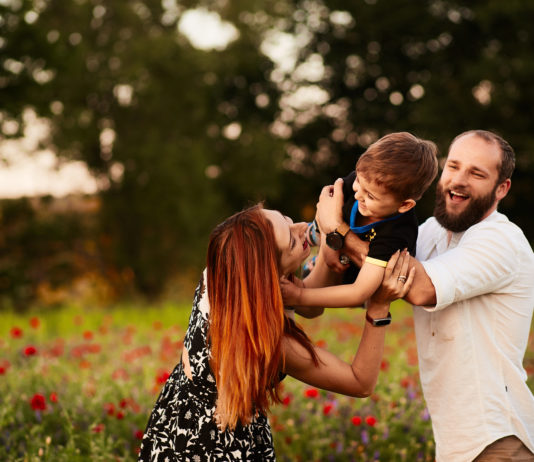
25	170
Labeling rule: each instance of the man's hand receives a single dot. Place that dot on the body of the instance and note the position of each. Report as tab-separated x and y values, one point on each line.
330	207
290	291
331	258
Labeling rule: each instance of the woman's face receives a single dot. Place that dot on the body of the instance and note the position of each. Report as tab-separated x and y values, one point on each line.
290	239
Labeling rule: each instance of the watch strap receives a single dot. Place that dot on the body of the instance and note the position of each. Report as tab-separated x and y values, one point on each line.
343	229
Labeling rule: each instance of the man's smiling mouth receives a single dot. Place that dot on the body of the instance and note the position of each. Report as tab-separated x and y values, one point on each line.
457	196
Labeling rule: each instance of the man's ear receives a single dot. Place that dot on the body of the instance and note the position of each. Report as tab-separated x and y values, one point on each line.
502	189
406	205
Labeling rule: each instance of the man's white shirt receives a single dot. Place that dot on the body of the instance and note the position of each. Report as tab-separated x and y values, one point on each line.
472	343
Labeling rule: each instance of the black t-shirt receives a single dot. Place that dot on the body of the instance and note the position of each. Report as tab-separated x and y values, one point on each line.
386	237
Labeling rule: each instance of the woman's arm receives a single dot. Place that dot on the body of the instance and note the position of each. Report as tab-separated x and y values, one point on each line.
320	276
358	378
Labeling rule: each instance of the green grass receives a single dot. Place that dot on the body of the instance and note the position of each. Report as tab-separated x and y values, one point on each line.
100	371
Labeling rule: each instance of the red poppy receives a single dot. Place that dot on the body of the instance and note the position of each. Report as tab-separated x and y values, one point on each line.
327	408
120	415
311	393
4	366
35	322
384	365
88	335
138	434
123	403
356	420
370	420
109	408
30	350
53	397
16	332
38	402
286	400
98	428
162	377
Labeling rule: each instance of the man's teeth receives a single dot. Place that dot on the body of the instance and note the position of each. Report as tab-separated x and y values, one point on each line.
457	194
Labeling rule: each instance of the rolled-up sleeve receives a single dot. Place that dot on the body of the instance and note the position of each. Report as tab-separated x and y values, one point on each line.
482	262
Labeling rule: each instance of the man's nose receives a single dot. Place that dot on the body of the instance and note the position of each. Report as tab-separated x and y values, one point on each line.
459	177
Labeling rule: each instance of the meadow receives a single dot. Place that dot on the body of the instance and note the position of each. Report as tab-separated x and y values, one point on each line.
78	384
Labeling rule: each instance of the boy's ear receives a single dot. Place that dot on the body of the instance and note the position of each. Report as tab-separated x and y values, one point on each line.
406	205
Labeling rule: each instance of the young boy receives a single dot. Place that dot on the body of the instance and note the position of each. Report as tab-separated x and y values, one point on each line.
389	178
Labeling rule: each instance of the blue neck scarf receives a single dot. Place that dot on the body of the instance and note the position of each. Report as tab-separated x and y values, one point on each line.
366	228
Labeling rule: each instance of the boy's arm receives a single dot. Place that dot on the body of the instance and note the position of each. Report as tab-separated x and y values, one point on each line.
320	276
347	295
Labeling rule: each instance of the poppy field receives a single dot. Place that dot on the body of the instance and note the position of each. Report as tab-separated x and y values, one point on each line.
79	384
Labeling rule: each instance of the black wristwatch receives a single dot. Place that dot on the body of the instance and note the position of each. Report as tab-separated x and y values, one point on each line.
336	238
378	322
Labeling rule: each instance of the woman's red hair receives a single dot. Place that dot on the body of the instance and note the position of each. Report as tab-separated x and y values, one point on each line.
247	320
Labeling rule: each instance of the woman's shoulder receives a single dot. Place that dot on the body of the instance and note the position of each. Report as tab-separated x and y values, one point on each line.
201	300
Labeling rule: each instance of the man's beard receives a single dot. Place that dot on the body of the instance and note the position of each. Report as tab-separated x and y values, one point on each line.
473	213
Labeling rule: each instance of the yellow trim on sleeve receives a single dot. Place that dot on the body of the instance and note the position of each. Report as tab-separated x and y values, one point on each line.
376	261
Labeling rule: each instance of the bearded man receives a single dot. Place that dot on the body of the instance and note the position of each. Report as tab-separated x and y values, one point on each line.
474	298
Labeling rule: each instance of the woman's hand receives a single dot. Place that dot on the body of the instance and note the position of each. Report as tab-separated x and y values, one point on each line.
397	279
291	291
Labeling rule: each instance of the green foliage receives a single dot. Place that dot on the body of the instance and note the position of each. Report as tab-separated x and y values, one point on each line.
181	138
434	68
40	248
166	133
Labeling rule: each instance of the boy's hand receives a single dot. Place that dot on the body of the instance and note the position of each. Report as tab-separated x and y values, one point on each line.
330	207
291	293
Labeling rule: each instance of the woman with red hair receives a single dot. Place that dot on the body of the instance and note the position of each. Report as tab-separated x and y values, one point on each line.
240	343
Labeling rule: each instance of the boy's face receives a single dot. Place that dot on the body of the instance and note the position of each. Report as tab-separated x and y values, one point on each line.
374	201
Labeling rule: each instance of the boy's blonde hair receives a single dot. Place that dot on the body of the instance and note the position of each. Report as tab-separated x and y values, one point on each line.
400	162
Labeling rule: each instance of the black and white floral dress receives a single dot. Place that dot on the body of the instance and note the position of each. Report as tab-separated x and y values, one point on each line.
181	426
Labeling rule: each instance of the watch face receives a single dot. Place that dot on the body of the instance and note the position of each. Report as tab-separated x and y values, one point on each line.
382	322
334	240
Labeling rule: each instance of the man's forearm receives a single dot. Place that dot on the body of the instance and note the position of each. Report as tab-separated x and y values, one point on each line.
422	292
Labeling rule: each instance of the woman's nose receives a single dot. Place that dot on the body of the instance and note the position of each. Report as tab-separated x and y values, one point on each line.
301	227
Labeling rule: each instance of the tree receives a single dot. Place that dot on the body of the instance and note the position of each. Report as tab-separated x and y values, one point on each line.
435	68
179	137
